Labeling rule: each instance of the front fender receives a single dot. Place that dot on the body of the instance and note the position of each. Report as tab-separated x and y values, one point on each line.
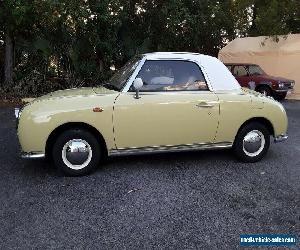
276	114
40	118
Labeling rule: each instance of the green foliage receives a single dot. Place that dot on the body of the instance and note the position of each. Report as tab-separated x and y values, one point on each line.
267	17
60	44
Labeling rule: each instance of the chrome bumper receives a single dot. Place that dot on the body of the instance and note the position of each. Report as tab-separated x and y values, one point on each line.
280	138
287	90
33	155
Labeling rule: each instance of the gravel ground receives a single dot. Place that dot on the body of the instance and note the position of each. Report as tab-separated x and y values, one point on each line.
196	200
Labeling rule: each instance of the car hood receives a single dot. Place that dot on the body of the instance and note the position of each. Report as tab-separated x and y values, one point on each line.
76	92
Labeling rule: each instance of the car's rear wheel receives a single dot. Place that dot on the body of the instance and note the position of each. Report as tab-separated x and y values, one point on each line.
252	142
266	91
76	152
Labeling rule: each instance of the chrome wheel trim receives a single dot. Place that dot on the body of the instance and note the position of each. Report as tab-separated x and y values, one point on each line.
77	154
254	143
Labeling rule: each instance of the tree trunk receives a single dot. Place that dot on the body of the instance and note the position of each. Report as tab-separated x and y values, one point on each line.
100	61
8	63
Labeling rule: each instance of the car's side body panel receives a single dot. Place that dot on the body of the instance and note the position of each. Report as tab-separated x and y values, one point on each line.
165	118
239	107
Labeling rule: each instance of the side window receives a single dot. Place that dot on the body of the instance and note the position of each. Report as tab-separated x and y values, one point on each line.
171	75
240	71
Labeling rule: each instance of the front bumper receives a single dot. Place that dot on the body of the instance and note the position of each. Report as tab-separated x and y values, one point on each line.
283	91
33	155
280	138
287	89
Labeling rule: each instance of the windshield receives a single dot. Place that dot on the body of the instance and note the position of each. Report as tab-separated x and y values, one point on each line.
255	70
119	79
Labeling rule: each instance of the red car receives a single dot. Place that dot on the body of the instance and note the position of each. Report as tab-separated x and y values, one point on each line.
253	77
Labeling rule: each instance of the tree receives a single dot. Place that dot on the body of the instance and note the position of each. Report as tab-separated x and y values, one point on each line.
267	17
15	19
54	44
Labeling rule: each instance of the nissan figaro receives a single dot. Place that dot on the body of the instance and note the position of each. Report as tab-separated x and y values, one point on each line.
158	102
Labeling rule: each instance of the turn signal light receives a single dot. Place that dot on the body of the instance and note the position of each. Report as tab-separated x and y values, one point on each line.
97	109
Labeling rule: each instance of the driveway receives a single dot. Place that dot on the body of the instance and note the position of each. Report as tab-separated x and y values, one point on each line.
198	200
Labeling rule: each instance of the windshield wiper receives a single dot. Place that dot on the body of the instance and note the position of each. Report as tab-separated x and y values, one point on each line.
110	86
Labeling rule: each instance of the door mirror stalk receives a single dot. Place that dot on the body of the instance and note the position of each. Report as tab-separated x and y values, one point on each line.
137	84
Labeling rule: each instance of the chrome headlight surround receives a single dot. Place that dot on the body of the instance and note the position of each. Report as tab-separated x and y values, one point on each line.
281	85
18	112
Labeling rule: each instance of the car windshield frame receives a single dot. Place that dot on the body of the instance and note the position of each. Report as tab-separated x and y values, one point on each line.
121	77
259	70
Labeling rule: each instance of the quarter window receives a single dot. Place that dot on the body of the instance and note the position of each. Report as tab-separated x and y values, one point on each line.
171	75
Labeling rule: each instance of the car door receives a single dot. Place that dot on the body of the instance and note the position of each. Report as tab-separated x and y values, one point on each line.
241	74
175	108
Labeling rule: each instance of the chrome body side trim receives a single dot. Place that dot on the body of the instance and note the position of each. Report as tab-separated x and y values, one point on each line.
169	148
32	155
280	138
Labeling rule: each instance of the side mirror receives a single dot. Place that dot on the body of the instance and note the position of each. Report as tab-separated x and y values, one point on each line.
137	84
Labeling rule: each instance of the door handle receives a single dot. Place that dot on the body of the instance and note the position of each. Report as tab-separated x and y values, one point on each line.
204	105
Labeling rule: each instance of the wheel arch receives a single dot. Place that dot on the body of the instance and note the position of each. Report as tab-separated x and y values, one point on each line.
71	125
264	84
261	120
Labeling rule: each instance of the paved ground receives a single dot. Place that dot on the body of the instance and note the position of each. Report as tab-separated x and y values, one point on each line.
201	200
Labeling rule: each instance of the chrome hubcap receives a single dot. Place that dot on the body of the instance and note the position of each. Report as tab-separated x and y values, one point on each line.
77	154
254	143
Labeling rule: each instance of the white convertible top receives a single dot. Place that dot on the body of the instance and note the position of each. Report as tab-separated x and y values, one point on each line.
216	73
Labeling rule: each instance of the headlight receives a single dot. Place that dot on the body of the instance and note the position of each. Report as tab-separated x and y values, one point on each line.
17	112
281	85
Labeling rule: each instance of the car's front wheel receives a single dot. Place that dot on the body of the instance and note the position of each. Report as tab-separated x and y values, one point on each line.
76	152
252	142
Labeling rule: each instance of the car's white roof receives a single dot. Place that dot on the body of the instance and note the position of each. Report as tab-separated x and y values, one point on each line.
219	77
172	55
178	55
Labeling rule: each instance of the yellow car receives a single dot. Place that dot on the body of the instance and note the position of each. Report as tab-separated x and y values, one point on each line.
158	102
